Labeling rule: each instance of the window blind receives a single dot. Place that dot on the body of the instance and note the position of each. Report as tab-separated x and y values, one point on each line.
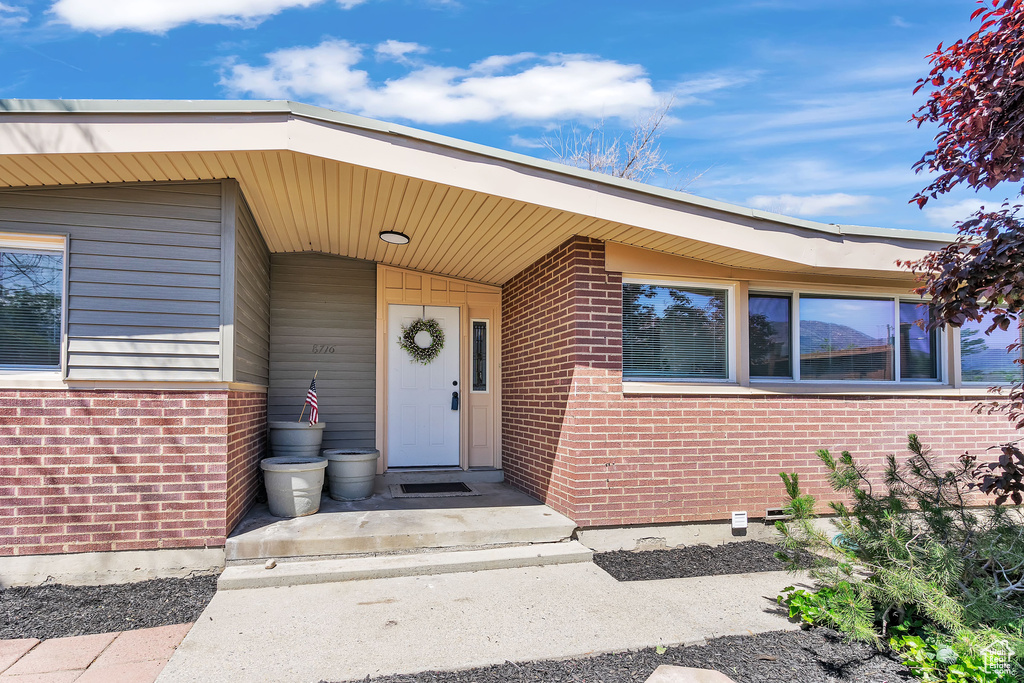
984	357
31	292
673	332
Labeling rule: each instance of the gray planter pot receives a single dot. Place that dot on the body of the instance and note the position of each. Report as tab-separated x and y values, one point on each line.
299	439
350	472
293	484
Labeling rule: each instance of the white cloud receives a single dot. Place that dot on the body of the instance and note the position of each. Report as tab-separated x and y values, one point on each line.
157	16
11	15
837	203
525	87
817	176
517	140
900	22
397	51
945	215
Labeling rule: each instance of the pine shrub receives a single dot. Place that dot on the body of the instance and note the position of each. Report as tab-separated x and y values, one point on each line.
911	564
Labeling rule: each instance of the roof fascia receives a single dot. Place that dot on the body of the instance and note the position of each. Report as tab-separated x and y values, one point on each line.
312	112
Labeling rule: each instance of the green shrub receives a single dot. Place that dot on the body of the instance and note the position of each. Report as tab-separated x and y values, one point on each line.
911	546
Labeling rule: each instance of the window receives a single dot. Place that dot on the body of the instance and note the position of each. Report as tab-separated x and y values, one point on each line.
832	338
919	349
846	339
771	331
479	361
984	358
31	304
675	332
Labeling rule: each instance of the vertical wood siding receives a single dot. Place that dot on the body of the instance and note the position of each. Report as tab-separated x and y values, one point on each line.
252	300
143	276
323	319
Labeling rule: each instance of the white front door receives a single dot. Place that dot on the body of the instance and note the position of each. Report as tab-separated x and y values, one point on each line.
423	428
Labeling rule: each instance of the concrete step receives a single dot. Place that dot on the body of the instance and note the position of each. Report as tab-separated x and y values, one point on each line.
390	566
382	524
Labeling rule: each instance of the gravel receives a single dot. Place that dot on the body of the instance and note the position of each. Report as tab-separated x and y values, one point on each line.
695	560
56	611
815	656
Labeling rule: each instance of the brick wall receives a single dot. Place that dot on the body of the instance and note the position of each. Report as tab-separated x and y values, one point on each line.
247	443
574	440
536	371
89	471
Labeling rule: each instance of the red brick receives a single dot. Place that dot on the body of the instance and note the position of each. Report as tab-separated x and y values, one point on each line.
92	470
573	439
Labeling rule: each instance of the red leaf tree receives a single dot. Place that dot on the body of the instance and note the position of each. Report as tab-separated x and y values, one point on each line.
978	104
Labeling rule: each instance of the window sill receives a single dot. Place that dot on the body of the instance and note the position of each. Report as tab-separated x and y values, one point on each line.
31	379
803	388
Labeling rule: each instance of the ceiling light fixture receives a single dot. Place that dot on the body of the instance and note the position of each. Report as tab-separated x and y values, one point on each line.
394	237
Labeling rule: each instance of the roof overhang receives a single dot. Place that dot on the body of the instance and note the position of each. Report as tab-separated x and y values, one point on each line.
319	180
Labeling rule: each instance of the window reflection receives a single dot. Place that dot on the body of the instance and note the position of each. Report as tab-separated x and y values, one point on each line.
770	336
846	339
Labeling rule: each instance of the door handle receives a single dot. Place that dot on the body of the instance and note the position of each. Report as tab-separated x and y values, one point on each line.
455	400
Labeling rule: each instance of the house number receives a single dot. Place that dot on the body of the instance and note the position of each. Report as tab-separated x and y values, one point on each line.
323	348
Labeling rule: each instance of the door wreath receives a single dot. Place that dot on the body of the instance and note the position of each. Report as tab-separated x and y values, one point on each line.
422	340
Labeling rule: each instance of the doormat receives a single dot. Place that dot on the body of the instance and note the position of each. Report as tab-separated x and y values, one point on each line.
445	489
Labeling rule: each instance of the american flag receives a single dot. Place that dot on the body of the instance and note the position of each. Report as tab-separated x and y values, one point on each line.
311	400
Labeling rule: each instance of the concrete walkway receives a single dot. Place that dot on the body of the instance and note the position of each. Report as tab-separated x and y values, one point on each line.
346	631
122	657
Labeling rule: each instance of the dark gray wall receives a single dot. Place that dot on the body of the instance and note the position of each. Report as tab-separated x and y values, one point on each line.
319	303
252	299
143	275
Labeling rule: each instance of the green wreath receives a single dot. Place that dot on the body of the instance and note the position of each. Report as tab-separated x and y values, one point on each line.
422	354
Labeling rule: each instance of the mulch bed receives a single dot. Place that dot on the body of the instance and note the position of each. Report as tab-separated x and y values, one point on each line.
56	611
695	560
815	656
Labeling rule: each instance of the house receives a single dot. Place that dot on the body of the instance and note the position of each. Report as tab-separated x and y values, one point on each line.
173	273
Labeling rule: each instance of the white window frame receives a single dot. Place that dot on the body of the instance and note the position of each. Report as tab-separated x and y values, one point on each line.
36	244
941	349
731	325
487	356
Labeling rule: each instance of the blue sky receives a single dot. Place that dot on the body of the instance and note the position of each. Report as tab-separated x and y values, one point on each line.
794	106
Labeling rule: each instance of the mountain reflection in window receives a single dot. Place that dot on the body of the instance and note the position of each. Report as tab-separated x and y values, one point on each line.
770	336
847	339
674	332
31	285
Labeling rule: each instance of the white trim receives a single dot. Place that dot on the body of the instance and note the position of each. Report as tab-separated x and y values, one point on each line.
28	243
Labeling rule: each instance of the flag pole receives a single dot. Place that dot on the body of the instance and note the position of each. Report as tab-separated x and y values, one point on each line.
304	403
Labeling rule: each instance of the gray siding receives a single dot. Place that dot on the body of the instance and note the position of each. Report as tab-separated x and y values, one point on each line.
143	276
252	299
317	300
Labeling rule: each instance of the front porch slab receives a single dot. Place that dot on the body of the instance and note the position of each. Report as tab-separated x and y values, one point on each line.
383	524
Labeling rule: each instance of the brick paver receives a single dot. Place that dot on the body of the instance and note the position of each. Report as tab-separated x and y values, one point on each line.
13	650
129	672
62	654
123	657
144	645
